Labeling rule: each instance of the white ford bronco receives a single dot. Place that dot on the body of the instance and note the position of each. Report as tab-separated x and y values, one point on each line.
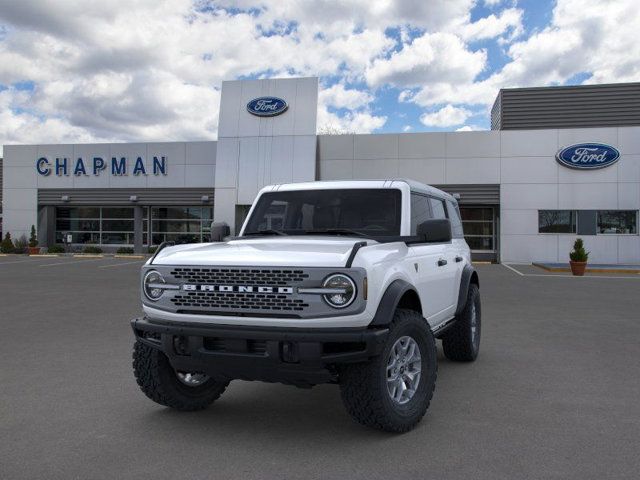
345	282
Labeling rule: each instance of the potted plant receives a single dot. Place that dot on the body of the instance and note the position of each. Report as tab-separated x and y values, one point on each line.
34	249
579	257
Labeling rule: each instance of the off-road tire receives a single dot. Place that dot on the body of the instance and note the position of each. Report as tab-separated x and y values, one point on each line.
158	380
363	386
459	343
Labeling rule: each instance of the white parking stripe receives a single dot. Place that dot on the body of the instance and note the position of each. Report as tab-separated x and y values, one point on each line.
513	270
69	263
120	264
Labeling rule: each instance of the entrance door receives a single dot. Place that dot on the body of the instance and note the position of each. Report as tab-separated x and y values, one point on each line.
480	225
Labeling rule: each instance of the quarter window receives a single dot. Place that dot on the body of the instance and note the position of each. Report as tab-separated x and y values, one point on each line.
617	221
420	211
556	221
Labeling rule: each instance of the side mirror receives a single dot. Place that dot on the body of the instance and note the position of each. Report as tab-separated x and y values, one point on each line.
435	230
219	230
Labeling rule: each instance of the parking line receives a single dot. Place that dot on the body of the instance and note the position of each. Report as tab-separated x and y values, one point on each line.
548	275
69	263
119	264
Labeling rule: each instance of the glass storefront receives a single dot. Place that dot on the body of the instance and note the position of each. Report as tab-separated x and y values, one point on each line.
115	225
479	225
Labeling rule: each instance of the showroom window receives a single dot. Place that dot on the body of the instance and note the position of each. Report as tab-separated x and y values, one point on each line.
180	224
95	225
557	221
618	222
479	228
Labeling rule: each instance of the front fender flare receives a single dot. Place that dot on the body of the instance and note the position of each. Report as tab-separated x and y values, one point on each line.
389	302
469	275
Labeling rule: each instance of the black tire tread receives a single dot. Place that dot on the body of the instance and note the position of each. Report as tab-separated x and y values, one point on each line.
363	395
150	370
456	343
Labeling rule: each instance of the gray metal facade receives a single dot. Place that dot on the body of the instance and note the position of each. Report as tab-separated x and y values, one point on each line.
606	105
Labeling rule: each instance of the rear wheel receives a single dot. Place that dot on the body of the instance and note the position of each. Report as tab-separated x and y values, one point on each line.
392	392
462	342
158	380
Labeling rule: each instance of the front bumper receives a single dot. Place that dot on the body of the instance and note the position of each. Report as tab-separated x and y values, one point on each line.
302	357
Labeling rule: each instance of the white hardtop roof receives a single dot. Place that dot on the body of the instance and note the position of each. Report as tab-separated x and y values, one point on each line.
344	184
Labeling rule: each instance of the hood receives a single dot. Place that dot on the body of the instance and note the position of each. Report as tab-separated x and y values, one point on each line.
290	251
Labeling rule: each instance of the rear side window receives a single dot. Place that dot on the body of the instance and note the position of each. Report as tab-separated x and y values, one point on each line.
454	217
437	208
420	211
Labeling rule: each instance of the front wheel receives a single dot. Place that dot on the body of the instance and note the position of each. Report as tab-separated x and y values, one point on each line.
393	391
186	391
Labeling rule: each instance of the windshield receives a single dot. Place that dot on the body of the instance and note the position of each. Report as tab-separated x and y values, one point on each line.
359	212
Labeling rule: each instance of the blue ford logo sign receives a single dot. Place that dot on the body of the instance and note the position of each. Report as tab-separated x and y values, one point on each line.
267	106
588	156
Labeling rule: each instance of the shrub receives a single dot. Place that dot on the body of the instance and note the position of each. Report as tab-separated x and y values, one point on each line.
56	249
92	249
21	244
579	254
33	239
153	249
124	251
7	244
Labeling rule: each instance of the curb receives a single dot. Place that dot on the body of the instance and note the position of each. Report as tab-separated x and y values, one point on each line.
129	256
590	270
88	255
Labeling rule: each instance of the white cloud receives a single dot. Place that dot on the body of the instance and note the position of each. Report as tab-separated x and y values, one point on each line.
468	128
407	128
509	20
447	116
340	97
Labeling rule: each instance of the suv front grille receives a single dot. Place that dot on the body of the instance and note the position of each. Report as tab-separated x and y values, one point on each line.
239	276
241	301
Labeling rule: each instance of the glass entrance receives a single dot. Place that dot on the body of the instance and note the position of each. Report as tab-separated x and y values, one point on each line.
480	230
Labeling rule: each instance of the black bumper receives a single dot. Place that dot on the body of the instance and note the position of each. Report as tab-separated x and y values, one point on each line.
301	357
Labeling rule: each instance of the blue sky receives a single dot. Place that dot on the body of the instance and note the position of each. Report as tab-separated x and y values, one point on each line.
75	71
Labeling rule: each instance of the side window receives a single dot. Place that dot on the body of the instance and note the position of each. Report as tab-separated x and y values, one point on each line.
456	222
437	207
419	211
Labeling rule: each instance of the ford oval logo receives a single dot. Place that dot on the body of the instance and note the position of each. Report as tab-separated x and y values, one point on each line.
588	156
267	106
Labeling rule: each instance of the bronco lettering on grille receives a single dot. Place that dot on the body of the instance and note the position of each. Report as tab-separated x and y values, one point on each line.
237	289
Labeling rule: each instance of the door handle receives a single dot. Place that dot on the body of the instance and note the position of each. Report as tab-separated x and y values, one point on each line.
459	259
442	262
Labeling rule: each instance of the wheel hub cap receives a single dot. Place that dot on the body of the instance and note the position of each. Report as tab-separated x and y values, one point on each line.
403	370
192	379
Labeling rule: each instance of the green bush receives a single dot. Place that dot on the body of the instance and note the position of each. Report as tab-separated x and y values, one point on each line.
21	244
153	249
7	244
56	249
33	239
579	254
124	251
92	249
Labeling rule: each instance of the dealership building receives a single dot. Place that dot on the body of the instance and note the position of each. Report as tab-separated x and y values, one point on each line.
559	162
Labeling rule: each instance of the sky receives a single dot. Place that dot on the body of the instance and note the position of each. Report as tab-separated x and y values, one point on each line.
73	71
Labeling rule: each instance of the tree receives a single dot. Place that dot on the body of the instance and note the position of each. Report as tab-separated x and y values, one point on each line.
33	239
7	244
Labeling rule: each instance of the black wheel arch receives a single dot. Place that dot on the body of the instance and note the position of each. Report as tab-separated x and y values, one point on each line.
399	294
469	276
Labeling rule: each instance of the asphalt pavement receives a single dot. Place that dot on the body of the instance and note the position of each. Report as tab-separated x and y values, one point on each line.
555	392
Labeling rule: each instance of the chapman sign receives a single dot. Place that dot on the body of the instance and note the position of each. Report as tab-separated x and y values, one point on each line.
588	156
116	166
267	106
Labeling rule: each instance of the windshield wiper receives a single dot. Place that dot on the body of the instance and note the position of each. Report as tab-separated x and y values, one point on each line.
267	231
337	231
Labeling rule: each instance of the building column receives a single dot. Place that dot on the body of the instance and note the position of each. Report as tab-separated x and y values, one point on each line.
138	226
46	226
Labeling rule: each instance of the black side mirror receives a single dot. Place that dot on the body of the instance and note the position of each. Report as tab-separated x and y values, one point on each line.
435	230
219	230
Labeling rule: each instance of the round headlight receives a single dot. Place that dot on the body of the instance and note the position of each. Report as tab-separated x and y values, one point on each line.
345	290
151	289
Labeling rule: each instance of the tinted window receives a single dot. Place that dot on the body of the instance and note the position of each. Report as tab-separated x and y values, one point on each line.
420	211
556	221
617	221
437	208
374	212
454	216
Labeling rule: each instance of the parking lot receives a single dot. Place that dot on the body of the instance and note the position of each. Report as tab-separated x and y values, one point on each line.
554	394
